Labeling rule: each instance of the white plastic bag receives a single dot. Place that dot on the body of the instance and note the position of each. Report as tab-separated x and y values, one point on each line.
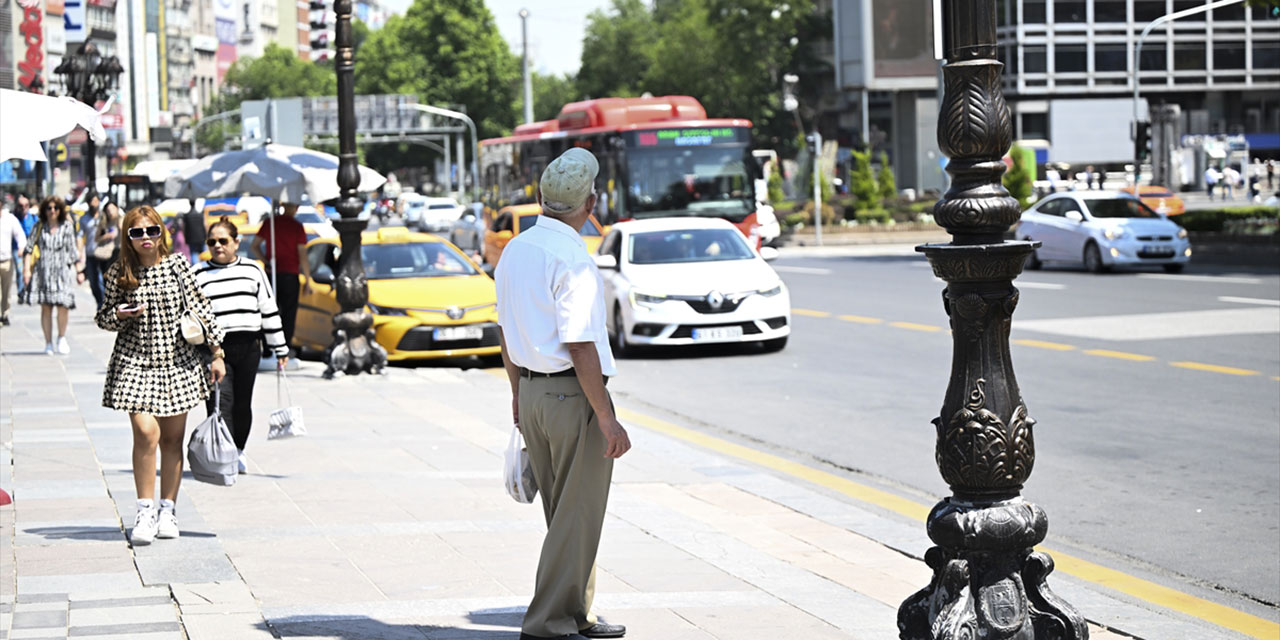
285	422
211	453
521	485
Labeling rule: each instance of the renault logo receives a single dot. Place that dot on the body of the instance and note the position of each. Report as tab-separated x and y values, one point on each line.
715	299
454	313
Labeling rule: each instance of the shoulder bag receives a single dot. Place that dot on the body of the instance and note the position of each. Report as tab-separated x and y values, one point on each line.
190	325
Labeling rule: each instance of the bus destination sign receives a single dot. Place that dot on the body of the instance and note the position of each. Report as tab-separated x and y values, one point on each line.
686	137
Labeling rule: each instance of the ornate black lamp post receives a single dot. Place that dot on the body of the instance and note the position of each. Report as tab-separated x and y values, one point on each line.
89	77
988	583
354	348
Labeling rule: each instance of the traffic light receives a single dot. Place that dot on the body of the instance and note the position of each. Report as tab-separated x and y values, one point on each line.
321	31
1142	140
811	143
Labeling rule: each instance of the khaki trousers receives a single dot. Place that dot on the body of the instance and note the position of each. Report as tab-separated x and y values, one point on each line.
566	450
6	286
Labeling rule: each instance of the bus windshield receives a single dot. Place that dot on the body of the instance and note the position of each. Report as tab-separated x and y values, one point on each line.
703	181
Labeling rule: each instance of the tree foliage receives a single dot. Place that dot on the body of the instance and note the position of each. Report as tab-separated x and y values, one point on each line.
550	92
1018	178
888	184
862	182
617	50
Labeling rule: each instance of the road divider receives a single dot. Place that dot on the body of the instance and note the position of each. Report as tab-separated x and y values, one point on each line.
1200	366
911	326
861	319
811	313
1040	344
1120	355
1239	300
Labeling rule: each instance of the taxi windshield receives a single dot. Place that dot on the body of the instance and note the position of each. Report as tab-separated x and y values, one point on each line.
413	260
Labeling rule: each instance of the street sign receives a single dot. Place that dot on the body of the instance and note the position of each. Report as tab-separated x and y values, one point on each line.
60	152
381	113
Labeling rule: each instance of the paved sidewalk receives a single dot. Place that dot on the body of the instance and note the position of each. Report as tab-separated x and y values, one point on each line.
389	521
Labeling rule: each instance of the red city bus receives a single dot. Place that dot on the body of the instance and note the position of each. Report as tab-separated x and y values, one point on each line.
658	157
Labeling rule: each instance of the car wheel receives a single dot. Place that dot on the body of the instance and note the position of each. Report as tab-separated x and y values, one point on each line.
776	344
1093	258
1173	268
1033	260
620	344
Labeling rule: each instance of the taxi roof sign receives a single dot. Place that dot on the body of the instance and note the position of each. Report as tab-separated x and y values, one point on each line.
386	234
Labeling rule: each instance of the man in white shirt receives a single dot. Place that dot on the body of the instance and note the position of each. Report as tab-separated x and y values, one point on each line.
556	352
12	243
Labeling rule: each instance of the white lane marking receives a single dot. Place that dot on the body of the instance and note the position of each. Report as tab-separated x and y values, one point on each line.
1038	285
1222	279
1160	326
1263	301
809	270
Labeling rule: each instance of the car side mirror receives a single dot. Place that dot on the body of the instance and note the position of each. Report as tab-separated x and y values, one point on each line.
769	254
323	275
606	261
1075	216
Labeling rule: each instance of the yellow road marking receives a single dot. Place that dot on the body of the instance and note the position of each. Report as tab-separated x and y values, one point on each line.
861	319
1276	378
1052	346
1156	594
915	327
1200	366
1119	354
811	313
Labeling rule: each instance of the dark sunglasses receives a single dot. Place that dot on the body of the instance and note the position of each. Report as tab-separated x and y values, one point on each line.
153	231
213	242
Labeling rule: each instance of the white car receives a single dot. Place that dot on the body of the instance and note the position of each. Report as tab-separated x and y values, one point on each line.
315	222
681	281
411	206
440	214
1102	229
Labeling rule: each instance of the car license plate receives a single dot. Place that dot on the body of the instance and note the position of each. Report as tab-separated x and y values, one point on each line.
444	334
717	333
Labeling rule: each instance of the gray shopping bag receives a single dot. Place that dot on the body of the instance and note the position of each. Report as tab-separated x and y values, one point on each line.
211	452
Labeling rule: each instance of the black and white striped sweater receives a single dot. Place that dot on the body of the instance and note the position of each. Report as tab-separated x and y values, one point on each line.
242	299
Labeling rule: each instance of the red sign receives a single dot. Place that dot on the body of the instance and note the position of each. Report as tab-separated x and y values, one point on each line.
112	121
33	35
54	7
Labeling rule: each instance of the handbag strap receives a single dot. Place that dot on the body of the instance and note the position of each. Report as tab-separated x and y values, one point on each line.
283	381
217	399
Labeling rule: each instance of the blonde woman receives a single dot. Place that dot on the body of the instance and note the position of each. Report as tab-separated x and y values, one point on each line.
155	375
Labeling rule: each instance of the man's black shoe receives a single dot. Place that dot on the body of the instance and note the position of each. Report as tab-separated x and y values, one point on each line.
602	630
4	321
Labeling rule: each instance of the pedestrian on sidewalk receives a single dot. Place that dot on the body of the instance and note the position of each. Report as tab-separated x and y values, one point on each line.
12	243
28	216
106	241
245	306
92	266
555	350
52	275
283	239
154	374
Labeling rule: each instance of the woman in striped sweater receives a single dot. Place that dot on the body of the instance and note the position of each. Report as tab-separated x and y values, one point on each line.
246	310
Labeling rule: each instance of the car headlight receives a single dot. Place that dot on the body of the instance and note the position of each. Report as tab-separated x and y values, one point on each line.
1113	234
387	311
1182	233
638	298
771	292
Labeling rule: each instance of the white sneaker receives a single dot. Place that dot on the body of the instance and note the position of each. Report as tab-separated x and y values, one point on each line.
48	349
240	464
167	529
63	346
144	527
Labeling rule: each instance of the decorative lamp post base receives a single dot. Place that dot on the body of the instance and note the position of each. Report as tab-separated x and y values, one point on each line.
355	348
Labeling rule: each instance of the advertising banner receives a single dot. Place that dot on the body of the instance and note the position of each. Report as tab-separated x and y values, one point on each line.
73	20
903	45
54	7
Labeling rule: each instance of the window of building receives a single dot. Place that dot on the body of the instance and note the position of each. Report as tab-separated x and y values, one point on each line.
1228	55
1189	56
1009	56
1183	5
1153	58
1035	126
1034	60
1266	56
1110	11
1232	12
1004	13
1033	11
1110	57
1145	11
1069	58
1065	11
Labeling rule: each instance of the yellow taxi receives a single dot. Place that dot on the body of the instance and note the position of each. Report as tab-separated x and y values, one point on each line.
1160	199
428	299
510	221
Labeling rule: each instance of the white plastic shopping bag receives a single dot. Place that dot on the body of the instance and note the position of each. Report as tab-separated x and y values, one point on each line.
211	453
285	422
521	485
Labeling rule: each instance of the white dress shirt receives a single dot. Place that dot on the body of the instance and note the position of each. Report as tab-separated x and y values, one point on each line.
550	293
11	234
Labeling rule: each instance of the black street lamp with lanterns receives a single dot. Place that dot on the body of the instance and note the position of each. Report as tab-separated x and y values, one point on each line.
89	78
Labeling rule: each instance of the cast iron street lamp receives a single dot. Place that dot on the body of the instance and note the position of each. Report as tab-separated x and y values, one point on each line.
988	582
354	348
89	77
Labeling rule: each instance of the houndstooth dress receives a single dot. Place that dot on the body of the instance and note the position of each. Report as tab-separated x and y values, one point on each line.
153	369
53	277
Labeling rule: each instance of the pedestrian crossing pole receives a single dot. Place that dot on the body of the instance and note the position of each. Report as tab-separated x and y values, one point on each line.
988	580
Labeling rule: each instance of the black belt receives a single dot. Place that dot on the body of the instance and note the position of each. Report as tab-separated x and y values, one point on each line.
525	373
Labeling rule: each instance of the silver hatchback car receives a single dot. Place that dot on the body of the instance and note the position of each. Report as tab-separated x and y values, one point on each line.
1102	229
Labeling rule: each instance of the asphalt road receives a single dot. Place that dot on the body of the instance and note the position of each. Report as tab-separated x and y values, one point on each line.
1148	460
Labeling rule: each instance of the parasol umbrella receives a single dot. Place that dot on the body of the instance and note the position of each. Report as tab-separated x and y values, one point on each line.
31	118
281	172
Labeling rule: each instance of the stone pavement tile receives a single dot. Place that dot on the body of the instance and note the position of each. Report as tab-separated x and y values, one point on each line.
127	630
232	596
351	510
89	586
418	567
771	623
510	558
102	529
44	619
98	616
477	626
650	565
167	569
137	601
302	572
87	487
67	509
349	628
86	557
224	626
154	635
38	634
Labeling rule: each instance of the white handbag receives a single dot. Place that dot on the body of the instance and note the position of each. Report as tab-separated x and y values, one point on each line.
190	325
285	422
520	482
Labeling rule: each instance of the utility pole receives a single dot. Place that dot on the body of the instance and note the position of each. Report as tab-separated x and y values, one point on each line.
817	185
524	59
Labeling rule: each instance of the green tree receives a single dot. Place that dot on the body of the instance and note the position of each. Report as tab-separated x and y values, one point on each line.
776	193
550	92
888	185
447	52
1018	178
617	50
862	182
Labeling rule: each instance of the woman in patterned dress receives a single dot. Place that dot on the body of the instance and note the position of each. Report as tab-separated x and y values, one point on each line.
52	277
154	374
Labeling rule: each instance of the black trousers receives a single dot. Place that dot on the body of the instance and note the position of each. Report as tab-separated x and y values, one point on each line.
287	289
93	270
244	350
